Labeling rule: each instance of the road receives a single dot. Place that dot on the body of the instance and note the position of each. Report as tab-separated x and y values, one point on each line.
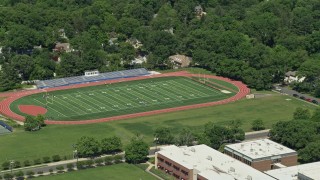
290	92
256	135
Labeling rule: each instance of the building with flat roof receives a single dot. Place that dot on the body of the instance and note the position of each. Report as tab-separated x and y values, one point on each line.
201	162
262	154
310	171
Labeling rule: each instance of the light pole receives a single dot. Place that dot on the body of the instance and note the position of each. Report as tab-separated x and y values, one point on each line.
75	152
156	142
11	165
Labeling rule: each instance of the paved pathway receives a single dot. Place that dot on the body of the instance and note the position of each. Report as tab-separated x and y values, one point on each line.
149	168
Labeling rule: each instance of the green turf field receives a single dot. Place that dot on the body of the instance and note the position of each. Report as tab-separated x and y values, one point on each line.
122	98
58	139
114	172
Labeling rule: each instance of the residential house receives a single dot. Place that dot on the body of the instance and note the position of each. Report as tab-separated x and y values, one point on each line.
291	76
180	61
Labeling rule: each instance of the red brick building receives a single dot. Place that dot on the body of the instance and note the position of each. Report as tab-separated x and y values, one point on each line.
201	162
262	154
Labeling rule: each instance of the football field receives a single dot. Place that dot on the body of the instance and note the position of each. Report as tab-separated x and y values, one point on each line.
121	98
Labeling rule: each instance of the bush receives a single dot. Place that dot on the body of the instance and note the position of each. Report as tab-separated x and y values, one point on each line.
89	163
46	159
60	169
27	163
56	158
257	125
29	173
16	164
65	157
81	165
37	161
19	174
118	159
6	165
8	176
108	160
70	166
40	172
99	161
51	170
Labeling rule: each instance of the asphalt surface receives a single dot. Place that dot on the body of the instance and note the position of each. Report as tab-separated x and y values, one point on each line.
291	92
257	135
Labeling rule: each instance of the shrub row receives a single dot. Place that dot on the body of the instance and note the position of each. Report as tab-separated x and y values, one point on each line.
109	160
26	163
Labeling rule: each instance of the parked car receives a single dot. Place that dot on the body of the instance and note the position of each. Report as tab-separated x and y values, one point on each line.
302	97
315	102
308	99
295	95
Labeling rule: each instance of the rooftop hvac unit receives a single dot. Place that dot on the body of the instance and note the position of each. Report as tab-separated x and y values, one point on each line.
249	177
209	158
193	150
232	169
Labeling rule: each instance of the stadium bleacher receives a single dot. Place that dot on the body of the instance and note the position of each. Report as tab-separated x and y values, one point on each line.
4	128
84	79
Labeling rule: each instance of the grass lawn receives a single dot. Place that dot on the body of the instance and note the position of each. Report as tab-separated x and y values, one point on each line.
114	172
58	139
122	98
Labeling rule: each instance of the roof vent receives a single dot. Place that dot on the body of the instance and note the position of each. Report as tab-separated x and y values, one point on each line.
256	153
193	150
249	177
209	158
232	169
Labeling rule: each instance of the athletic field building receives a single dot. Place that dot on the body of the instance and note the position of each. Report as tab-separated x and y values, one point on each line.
262	154
310	171
201	162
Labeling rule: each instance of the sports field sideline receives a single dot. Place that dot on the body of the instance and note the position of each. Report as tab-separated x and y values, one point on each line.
121	98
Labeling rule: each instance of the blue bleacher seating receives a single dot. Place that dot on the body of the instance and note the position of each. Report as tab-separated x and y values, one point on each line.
84	79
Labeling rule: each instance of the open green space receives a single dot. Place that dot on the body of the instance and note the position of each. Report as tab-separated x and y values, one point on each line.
121	98
114	172
58	139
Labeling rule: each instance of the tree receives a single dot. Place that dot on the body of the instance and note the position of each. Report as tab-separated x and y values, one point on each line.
163	136
215	135
137	151
294	134
31	124
316	115
263	27
185	138
24	65
40	118
111	145
87	147
9	78
301	114
257	125
311	153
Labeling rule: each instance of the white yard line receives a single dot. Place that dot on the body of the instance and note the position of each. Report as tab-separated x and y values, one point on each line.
52	108
80	103
63	103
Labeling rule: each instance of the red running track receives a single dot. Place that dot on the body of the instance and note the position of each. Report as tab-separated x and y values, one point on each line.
5	104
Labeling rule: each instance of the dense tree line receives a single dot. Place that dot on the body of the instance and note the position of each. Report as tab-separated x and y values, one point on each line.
302	134
250	40
213	135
